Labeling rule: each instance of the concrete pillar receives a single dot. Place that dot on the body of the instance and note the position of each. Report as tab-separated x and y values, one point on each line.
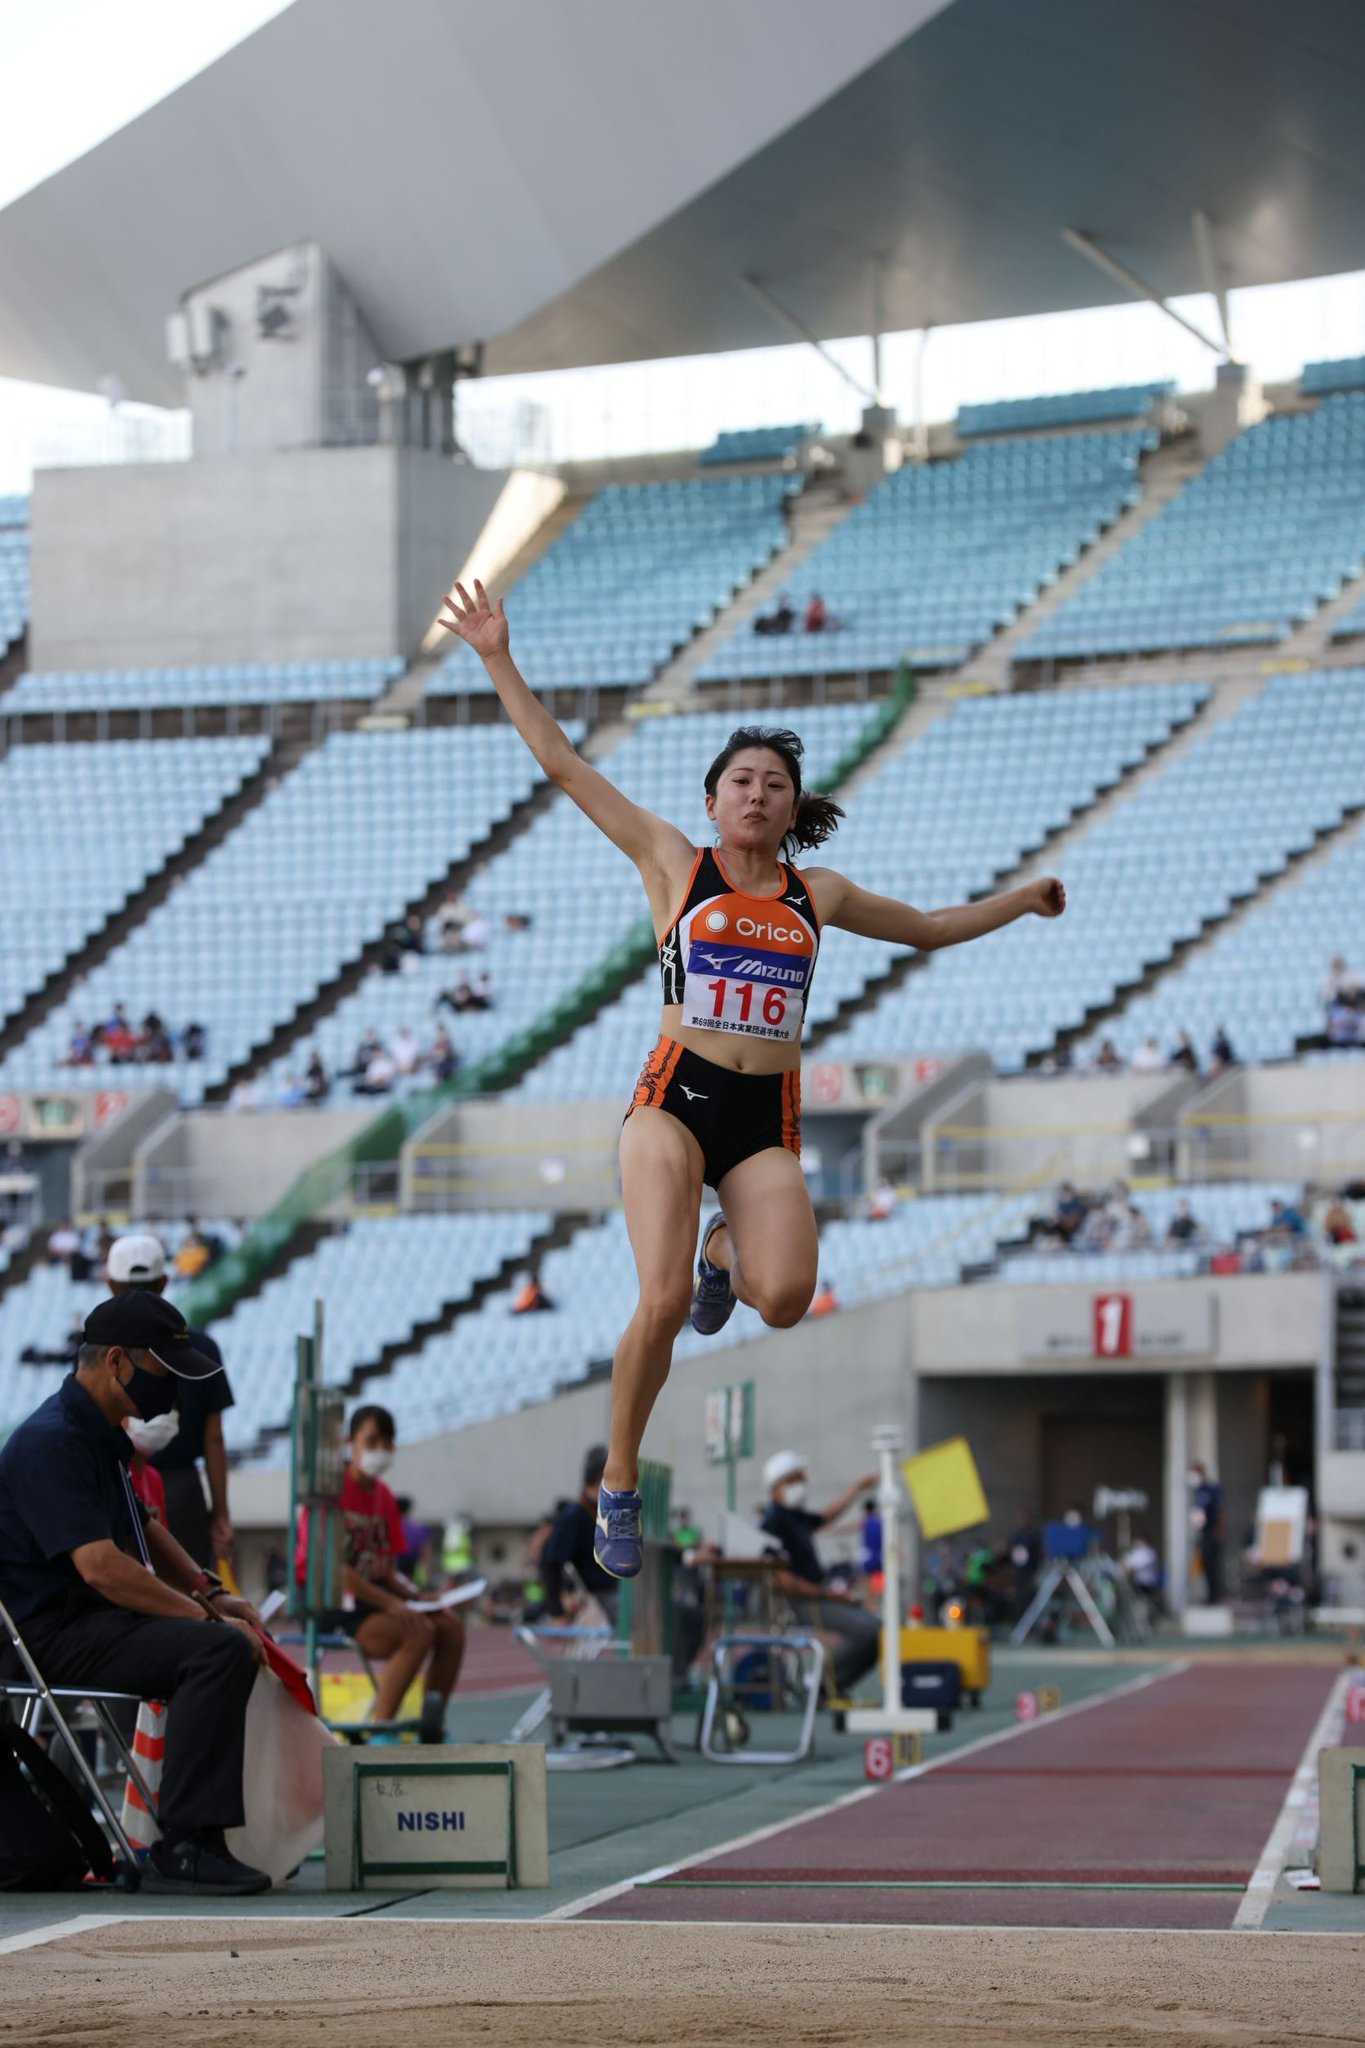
1178	1454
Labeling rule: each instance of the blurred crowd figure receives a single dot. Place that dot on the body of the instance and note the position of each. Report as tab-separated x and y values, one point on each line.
1324	1230
116	1041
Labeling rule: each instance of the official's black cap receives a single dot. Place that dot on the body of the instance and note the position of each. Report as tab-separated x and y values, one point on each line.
142	1321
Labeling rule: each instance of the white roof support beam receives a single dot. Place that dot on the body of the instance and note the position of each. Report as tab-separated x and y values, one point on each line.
1206	248
1087	246
786	318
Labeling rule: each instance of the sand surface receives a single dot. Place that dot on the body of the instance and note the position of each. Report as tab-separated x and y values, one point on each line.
368	1984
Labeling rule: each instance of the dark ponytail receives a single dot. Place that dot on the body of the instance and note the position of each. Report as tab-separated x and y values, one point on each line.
817	817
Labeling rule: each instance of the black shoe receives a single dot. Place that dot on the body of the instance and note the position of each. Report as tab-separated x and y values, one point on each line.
200	1863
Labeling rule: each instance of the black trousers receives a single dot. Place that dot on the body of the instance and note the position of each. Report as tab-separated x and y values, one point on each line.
187	1514
203	1669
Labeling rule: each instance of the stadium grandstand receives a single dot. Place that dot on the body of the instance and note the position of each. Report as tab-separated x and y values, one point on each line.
310	968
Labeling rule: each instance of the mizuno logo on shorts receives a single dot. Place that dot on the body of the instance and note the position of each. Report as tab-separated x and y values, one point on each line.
693	1094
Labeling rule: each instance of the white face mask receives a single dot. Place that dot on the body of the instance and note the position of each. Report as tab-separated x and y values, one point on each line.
374	1464
793	1494
151	1437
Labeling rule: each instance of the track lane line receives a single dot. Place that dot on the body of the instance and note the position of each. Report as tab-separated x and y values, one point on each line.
1021	1728
1261	1885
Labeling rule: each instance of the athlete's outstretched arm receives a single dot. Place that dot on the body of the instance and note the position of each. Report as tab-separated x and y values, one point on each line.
858	910
649	841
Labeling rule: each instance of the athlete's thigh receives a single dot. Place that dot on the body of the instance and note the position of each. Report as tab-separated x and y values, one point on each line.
661	1185
379	1634
770	1219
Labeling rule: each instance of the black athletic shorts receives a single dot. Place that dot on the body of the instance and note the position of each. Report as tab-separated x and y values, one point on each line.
730	1115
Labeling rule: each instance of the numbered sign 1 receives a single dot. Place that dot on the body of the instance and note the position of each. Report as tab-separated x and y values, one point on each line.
1113	1326
1026	1706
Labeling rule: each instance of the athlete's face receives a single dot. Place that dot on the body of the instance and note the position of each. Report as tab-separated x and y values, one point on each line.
755	801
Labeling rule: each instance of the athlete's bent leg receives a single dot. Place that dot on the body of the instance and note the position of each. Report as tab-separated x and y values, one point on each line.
661	1183
769	1239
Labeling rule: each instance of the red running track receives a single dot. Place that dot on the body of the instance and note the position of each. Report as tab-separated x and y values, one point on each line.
1176	1784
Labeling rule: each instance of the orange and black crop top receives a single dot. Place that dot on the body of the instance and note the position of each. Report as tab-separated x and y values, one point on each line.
741	963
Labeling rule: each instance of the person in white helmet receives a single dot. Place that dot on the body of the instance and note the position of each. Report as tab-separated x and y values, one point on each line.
202	1528
793	1526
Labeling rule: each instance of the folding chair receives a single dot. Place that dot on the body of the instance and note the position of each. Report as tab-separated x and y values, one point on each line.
38	1699
542	1640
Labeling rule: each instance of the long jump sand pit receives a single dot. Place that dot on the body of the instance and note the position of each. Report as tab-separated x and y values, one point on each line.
368	1984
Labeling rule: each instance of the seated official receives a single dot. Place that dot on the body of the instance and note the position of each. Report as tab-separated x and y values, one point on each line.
381	1618
104	1596
826	1611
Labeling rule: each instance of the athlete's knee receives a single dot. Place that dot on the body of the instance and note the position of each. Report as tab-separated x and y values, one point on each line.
783	1304
663	1309
418	1630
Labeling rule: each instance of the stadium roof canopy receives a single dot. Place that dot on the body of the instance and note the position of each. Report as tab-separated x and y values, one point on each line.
593	183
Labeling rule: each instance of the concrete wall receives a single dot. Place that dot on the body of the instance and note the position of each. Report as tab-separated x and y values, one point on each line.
1278	1123
309	555
206	1163
809	1399
515	1155
102	1170
1089	1130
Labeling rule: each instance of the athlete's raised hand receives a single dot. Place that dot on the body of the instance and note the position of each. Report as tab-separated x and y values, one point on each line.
1048	896
481	625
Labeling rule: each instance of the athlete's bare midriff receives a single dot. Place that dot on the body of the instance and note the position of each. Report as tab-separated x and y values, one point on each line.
737	1055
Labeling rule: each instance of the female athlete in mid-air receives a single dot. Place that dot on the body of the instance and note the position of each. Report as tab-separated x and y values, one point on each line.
719	1100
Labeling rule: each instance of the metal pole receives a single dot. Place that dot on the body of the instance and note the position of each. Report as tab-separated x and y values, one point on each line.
1131	282
886	1442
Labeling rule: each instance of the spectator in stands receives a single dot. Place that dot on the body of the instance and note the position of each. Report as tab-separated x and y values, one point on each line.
1338	1225
293	1094
1185	1055
517	921
884	1202
793	1526
1183	1228
369	1045
196	1253
1147	1059
1285	1218
379	1076
244	1095
780	619
74	1552
1345	1021
484	995
405	1051
1340	983
80	1050
567	1546
378	1609
531	1298
63	1244
413	938
1070	1212
1132	1231
459	998
824	1301
391	955
194	1042
154	1041
816	617
442	1059
477	932
1107	1059
316	1084
1221	1053
118	1037
451	919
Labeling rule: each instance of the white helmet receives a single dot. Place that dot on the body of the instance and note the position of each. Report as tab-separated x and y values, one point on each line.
782	1465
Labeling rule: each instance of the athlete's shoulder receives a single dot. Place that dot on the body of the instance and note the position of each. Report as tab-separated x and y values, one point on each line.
826	887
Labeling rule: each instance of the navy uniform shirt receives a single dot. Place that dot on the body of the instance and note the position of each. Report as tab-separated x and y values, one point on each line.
794	1529
62	1484
570	1542
197	1400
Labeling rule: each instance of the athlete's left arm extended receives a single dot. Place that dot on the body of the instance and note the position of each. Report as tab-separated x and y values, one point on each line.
843	903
